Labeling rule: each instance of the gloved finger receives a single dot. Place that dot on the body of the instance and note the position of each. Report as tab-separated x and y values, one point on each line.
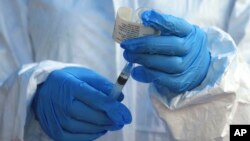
165	45
142	74
95	80
176	83
67	136
75	126
121	97
168	64
172	82
167	24
147	75
115	114
116	111
83	112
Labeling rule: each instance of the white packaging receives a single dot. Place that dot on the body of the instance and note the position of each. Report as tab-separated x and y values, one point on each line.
126	27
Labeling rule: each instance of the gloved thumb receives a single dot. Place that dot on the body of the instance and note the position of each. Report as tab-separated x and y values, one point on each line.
167	24
119	114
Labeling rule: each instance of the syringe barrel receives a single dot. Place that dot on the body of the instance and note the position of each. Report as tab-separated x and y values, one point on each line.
121	80
116	91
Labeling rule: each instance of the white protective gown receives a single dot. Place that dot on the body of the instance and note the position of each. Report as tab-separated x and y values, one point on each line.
69	32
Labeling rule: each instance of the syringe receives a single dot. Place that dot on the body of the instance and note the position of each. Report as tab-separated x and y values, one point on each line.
121	80
130	21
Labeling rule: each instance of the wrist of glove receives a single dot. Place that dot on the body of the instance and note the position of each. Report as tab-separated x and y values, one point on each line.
175	61
74	104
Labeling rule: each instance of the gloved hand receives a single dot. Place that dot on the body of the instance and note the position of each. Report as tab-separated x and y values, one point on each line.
73	105
175	61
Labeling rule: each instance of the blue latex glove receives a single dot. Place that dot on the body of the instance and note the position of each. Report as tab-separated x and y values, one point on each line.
175	61
73	105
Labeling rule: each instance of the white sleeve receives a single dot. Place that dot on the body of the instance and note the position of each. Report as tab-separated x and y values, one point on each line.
239	28
18	92
206	112
223	98
15	50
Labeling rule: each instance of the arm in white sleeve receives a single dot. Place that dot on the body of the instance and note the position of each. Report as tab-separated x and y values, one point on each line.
15	50
223	98
18	82
205	112
19	91
239	29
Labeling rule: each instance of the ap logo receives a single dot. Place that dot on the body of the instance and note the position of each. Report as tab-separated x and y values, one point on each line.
239	132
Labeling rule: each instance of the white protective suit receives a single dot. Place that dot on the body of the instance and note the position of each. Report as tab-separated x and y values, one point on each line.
79	32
